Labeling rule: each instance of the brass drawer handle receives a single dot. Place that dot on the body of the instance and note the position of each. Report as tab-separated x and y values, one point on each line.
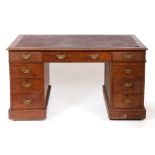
27	101
128	56
61	56
128	70
26	70
26	85
94	56
128	85
128	101
26	56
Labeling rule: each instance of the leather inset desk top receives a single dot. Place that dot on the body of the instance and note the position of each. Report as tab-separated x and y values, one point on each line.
76	42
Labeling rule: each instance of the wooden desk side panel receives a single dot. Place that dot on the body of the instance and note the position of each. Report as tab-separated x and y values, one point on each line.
107	82
47	85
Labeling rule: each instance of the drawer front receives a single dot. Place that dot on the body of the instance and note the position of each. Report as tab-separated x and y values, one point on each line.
128	100
25	57
27	85
129	56
128	70
128	86
76	56
27	100
26	70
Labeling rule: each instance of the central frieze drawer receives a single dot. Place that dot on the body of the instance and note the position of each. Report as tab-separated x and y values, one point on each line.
77	56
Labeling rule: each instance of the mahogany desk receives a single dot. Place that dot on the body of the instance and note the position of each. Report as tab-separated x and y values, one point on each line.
123	55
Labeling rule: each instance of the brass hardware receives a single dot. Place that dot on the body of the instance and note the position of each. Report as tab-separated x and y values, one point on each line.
94	56
124	116
26	85
128	56
26	70
128	70
26	56
128	84
27	101
61	56
128	101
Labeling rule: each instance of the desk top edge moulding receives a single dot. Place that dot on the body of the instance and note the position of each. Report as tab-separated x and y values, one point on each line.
124	83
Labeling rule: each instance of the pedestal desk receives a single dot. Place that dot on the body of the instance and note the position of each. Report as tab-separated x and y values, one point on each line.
123	55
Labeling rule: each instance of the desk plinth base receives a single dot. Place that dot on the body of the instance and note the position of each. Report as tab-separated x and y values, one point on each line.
123	114
30	114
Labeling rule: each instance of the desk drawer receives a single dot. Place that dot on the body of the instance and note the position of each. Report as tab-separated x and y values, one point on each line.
76	56
128	100
27	100
19	85
26	70
128	86
25	57
127	70
129	56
